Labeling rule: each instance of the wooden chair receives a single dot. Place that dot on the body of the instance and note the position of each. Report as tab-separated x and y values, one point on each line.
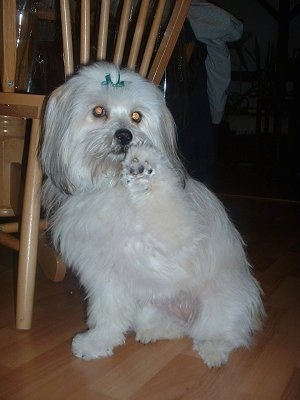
151	63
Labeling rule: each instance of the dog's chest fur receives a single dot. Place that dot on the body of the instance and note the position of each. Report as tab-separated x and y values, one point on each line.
140	237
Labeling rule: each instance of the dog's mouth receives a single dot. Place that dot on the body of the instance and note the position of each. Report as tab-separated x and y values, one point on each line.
121	150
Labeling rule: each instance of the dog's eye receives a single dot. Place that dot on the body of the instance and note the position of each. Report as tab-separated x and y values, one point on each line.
99	112
136	116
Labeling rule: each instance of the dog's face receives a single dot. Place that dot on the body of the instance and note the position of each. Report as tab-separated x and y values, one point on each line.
92	120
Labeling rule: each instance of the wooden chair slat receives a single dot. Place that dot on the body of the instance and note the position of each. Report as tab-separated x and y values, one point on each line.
103	30
66	28
85	31
138	34
122	34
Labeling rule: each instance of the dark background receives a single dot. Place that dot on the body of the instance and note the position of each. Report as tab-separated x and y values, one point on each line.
256	147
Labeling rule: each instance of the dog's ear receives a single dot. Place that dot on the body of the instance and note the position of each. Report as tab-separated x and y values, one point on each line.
56	122
169	134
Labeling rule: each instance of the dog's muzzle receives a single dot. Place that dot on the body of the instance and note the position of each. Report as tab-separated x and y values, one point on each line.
123	137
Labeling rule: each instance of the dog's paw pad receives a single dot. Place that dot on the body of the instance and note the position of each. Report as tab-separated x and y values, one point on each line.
140	168
138	171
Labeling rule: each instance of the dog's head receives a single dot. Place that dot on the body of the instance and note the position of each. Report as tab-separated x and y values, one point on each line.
92	120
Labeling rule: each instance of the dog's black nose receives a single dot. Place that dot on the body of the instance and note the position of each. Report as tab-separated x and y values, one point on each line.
123	136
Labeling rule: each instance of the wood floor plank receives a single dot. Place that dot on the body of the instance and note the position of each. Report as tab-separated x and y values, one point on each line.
138	368
178	377
292	389
281	353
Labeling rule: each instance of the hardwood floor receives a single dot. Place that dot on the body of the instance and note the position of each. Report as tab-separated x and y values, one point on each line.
38	364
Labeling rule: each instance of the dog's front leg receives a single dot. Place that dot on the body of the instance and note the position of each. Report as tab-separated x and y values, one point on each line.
108	320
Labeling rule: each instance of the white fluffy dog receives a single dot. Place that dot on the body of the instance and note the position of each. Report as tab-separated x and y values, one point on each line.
154	249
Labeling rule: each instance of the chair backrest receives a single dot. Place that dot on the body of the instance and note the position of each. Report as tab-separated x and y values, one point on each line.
143	38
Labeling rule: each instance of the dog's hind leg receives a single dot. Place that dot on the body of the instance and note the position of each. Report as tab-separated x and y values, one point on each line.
221	326
213	348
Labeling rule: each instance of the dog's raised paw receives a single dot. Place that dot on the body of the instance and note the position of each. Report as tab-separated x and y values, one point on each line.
137	168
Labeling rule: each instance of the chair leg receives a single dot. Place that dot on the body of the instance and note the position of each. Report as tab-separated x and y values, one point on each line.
29	234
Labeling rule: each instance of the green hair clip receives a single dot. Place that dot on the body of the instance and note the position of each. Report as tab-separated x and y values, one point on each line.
108	81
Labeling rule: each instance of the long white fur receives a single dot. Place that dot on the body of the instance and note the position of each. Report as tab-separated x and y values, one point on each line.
153	248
